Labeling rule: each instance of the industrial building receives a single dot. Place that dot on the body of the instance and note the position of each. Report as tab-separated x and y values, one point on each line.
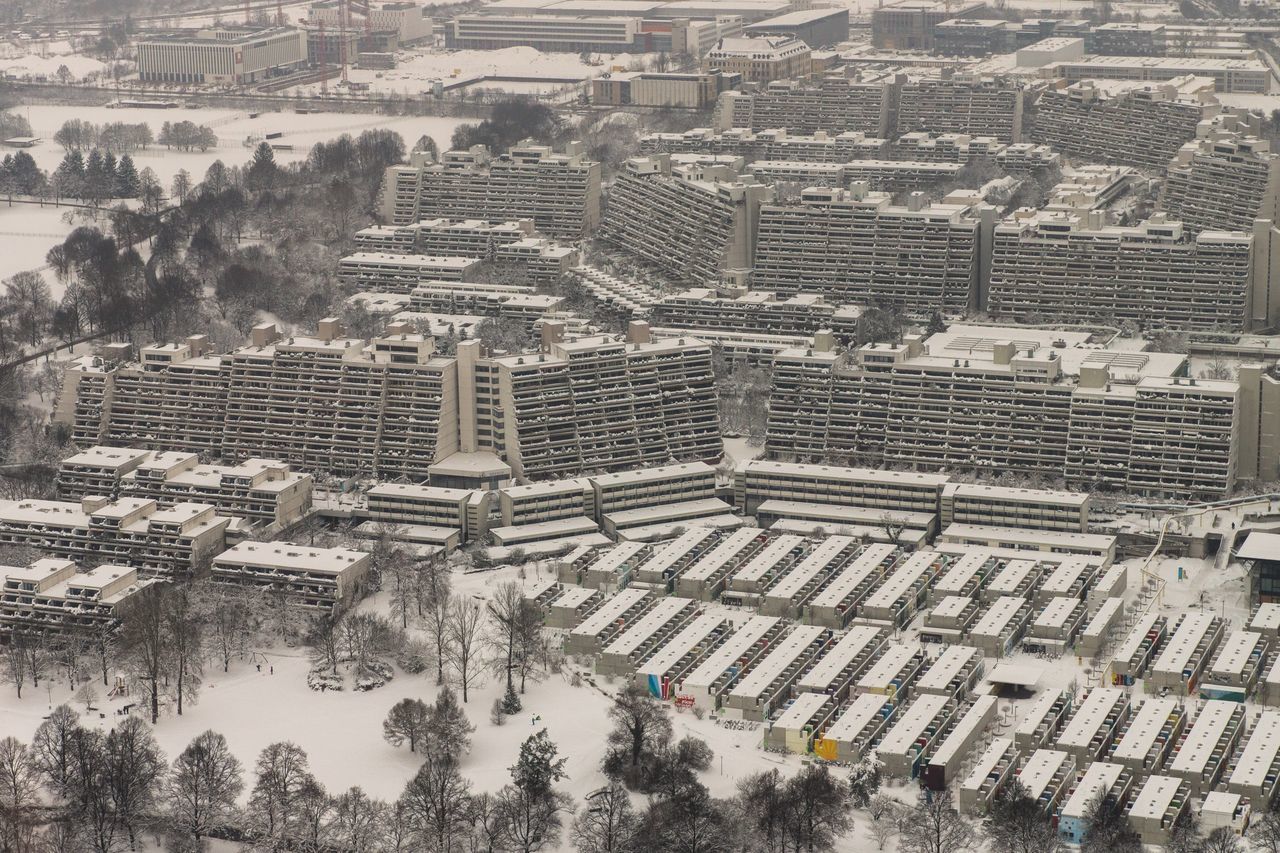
814	27
910	24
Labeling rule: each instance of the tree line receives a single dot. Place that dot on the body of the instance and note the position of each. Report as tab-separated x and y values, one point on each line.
116	136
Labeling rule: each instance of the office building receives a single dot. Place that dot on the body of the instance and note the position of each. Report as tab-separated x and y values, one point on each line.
128	532
408	20
1127	38
760	59
814	27
1101	121
236	55
694	90
304	576
690	221
1245	75
1055	265
1050	404
857	246
910	24
51	597
974	37
1224	180
559	192
962	103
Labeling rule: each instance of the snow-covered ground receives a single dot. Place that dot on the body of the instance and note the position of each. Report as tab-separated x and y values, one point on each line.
233	128
44	58
27	233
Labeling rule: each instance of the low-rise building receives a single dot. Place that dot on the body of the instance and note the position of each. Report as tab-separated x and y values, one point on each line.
51	597
305	576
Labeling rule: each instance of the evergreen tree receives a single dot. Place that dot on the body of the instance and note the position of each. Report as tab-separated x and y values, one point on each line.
96	182
262	170
128	184
449	732
539	766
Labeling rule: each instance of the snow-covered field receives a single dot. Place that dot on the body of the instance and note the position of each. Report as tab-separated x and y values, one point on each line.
27	232
233	127
45	58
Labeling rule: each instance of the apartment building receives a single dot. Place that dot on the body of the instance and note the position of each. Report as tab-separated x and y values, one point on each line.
945	147
1059	265
51	597
306	577
1223	181
261	491
1003	506
1052	403
392	408
128	532
804	314
238	55
857	245
962	103
840	101
817	147
691	221
760	59
1107	122
560	192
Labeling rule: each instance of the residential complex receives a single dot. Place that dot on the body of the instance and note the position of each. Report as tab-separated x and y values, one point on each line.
594	403
1106	122
559	192
838	102
306	577
52	597
962	103
1224	180
1091	415
689	221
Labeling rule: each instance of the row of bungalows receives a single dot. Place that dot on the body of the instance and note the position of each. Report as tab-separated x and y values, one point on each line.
1110	583
1101	625
946	761
571	606
1054	628
790	592
1265	619
626	651
899	596
954	673
1139	647
1094	724
1157	806
1044	719
706	577
611	569
748	583
857	728
607	620
659	571
1235	669
1147	739
950	619
1002	626
991	772
844	661
705	686
1100	779
1254	771
1017	578
682	653
1047	776
894	673
1072	577
1204	749
966	576
836	601
919	728
768	684
1182	661
795	725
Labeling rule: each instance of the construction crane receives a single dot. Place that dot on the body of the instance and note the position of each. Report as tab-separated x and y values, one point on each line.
344	12
324	66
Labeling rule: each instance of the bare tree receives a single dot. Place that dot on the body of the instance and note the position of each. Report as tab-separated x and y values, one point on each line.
135	770
1264	832
227	613
934	826
276	803
51	748
406	721
607	823
15	655
436	619
204	784
19	795
436	805
358	822
186	645
464	631
144	641
641	728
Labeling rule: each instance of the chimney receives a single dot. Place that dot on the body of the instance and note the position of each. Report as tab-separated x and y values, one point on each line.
263	334
824	340
638	332
329	329
552	333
